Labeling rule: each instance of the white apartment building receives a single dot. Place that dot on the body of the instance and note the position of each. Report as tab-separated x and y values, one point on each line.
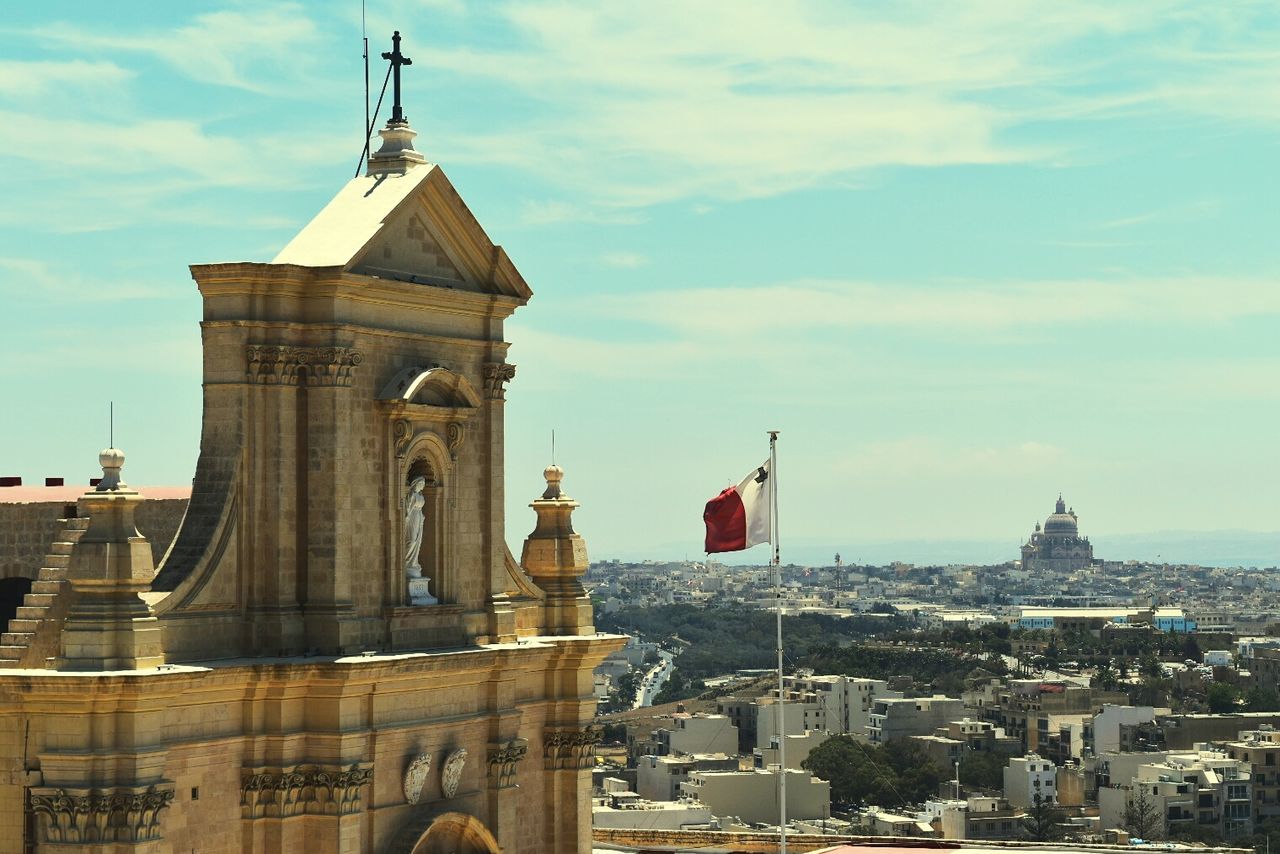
1028	778
1204	787
842	704
658	778
1107	723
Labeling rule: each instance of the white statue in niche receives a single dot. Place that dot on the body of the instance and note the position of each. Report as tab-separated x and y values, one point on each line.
414	522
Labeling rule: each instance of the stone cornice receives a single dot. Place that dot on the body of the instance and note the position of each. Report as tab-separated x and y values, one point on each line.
101	815
289	282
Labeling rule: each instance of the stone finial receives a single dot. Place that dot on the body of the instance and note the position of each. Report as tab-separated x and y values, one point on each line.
555	556
108	625
112	461
554	474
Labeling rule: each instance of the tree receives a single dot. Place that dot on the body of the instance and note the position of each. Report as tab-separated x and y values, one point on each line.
1044	820
1222	698
1141	816
889	775
983	769
1262	698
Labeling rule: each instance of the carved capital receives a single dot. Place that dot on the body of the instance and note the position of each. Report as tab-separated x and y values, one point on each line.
496	377
293	790
503	761
281	365
569	748
81	816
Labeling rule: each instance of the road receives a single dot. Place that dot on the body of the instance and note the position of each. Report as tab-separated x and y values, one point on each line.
653	680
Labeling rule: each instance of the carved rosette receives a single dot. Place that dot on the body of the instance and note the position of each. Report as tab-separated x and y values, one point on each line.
84	816
503	761
415	777
451	772
302	790
496	377
569	748
279	365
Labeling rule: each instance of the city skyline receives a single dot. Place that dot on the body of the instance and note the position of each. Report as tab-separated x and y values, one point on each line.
958	286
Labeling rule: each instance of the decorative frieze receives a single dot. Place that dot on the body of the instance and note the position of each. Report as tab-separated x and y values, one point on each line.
302	790
118	815
503	761
496	377
569	748
322	366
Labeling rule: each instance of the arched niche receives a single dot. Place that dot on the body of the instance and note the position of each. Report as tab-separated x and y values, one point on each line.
426	410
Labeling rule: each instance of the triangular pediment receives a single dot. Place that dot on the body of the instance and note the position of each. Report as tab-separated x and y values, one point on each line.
412	227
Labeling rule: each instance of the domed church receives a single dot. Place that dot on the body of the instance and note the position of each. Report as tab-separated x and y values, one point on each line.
1058	546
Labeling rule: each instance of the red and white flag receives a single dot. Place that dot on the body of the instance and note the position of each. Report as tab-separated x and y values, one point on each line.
739	517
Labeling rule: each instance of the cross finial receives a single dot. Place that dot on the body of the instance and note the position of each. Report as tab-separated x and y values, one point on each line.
397	59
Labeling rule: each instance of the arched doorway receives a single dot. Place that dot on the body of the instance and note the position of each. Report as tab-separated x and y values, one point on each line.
456	833
12	593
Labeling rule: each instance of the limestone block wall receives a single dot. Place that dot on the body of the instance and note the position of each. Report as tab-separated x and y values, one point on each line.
27	529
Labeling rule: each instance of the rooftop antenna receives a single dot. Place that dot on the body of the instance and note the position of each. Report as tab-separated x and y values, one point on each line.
553	446
370	119
111	424
364	34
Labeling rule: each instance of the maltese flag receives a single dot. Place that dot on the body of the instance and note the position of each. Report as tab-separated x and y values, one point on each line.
738	518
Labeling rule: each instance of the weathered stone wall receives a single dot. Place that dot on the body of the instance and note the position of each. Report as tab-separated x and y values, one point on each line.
27	529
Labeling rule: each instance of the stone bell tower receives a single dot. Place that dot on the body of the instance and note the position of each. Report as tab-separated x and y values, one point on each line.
338	653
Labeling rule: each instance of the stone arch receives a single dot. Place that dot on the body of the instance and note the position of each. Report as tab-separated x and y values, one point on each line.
456	833
432	387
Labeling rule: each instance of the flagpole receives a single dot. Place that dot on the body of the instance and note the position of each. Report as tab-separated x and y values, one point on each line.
777	599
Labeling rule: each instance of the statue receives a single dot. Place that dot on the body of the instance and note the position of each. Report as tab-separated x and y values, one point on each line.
413	524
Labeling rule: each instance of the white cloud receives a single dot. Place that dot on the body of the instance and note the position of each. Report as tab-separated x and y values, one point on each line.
22	79
26	279
626	260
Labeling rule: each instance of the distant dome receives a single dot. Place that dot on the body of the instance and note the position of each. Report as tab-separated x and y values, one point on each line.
1062	522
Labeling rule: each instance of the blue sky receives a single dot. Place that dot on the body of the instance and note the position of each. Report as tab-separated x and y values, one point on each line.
964	255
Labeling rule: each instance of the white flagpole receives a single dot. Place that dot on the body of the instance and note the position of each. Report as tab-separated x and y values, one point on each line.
777	594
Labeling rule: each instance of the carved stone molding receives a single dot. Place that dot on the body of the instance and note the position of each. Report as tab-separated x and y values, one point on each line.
503	761
496	377
302	790
323	366
116	815
455	434
569	748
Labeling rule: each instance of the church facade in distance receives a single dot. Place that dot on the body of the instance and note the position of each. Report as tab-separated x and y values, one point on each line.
1058	546
338	653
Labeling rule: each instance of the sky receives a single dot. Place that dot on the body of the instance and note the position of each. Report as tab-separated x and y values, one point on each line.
964	256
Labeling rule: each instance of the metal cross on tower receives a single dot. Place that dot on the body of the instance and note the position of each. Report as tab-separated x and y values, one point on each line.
397	59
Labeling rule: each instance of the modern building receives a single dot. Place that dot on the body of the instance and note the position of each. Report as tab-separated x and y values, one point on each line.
700	733
1029	780
844	703
1201	787
982	818
894	718
658	778
1261	749
752	796
1058	546
1108	722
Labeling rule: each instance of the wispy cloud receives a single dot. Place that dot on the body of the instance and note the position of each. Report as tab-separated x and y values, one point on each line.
761	98
626	260
256	49
27	279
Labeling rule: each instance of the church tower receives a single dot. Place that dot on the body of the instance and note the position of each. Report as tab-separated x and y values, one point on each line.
338	652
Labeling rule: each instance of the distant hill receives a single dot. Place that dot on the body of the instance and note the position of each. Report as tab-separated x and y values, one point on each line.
1206	548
